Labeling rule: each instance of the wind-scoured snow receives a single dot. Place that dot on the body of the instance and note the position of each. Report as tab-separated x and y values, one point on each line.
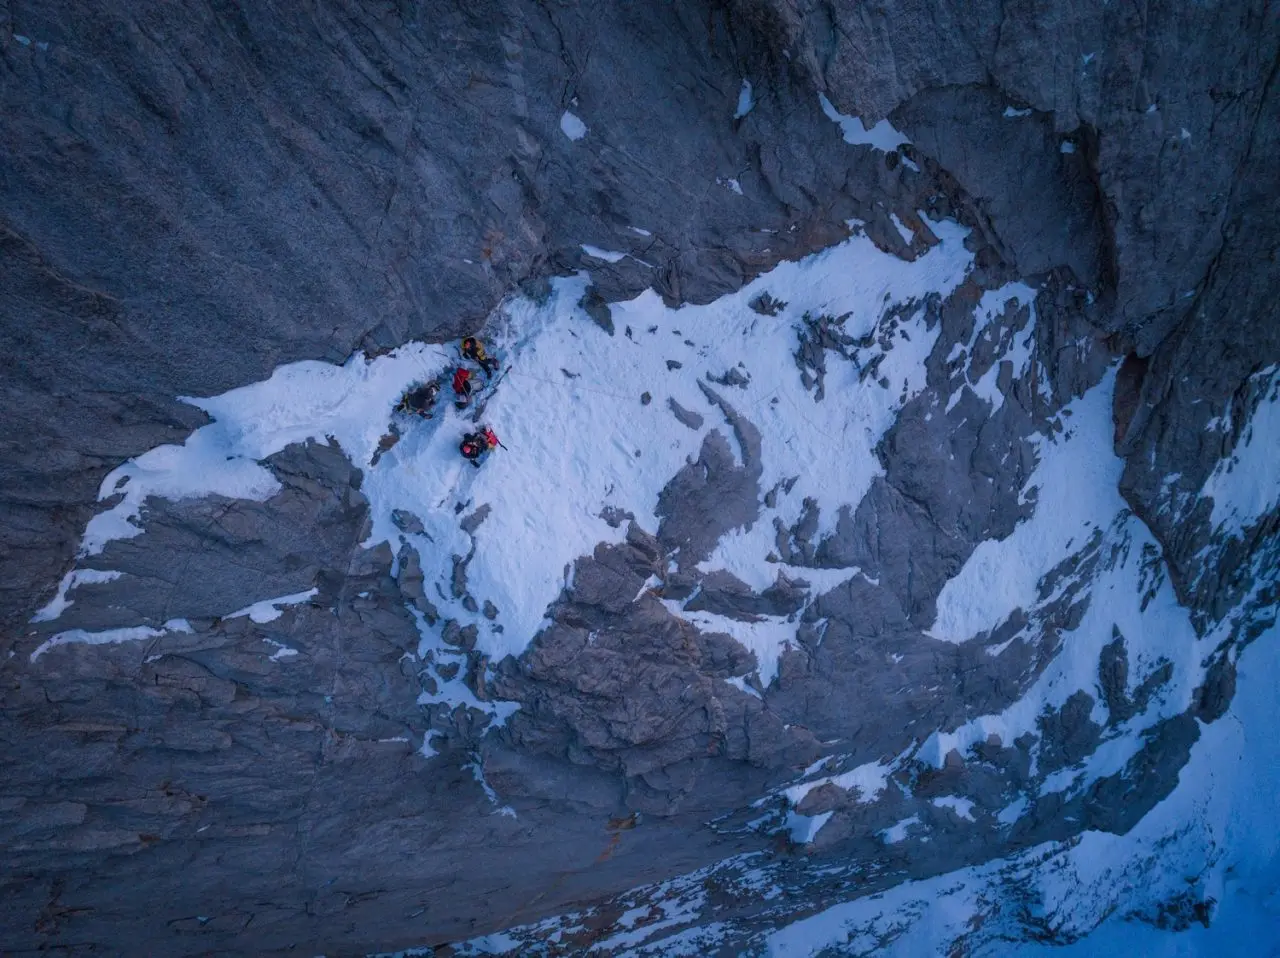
882	136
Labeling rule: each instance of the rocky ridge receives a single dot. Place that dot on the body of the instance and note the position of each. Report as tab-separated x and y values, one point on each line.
420	159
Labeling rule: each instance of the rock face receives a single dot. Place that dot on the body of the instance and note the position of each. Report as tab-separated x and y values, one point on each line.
194	196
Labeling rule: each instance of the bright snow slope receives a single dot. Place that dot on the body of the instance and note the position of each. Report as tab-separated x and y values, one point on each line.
578	437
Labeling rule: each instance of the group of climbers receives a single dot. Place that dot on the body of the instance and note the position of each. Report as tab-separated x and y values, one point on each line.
420	399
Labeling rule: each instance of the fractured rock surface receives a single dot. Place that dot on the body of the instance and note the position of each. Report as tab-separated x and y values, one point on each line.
194	197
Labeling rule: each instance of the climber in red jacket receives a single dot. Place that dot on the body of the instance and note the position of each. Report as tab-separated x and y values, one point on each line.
462	385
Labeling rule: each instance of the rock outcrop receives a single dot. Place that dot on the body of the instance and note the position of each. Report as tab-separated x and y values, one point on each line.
195	195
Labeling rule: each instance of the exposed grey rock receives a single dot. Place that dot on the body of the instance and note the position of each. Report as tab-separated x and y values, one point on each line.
686	417
1068	734
395	178
953	125
766	304
1113	675
730	377
407	522
472	522
724	594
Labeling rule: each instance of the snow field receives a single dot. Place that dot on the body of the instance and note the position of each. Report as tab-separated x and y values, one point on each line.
1214	836
1076	491
1077	478
578	437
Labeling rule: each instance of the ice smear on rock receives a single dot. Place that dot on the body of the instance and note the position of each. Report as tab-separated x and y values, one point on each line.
746	101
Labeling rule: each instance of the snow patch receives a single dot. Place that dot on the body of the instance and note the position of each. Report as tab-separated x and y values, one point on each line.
572	126
110	636
282	651
766	638
904	231
898	832
608	255
746	102
1114	559
1017	351
804	828
868	781
268	610
563	369
882	136
961	806
73	579
1076	479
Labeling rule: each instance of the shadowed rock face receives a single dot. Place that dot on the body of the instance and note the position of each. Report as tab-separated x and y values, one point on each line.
195	194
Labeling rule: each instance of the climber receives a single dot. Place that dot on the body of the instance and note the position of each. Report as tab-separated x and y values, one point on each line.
420	399
462	386
476	444
473	349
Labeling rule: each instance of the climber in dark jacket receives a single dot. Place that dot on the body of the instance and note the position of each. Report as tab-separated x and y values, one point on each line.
420	399
476	444
473	350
